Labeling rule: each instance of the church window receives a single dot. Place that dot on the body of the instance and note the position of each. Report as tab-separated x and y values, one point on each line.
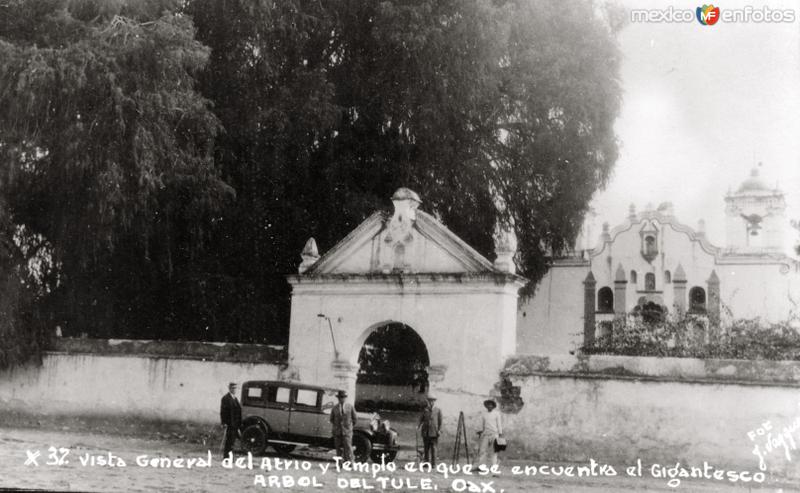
649	282
633	277
667	277
605	300
650	245
697	299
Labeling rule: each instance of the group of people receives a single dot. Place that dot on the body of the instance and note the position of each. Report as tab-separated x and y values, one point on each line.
491	428
343	418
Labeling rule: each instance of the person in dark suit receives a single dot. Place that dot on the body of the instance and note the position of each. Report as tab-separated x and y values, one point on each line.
230	414
430	425
343	419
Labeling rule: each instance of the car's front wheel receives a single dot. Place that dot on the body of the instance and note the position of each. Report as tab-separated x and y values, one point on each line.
254	439
362	448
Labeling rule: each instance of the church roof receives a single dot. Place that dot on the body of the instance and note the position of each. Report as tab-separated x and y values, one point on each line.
754	183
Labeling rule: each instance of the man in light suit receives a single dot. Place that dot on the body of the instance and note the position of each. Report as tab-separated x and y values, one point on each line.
230	414
430	425
343	419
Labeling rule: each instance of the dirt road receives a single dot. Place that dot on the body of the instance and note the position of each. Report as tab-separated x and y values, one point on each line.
72	461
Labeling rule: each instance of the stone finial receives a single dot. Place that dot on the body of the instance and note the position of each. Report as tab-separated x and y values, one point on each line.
605	236
632	211
505	247
589	279
405	203
679	275
620	274
701	227
713	278
310	255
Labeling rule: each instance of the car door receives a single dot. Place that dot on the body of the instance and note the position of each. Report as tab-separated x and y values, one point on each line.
305	409
277	409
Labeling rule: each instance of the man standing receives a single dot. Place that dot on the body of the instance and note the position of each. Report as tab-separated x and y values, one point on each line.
430	424
343	419
230	414
491	428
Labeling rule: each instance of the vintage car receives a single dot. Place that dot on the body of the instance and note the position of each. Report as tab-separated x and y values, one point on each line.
285	415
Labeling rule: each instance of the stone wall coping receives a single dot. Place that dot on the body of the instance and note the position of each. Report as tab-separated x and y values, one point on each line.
193	350
742	372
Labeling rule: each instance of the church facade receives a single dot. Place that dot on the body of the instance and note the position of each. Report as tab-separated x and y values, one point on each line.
651	261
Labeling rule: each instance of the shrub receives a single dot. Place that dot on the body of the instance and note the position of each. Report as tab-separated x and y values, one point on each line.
695	336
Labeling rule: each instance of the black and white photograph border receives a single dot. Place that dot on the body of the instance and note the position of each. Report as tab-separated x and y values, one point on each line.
410	245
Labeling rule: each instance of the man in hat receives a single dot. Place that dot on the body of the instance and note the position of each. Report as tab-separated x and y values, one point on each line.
430	424
343	419
230	414
491	428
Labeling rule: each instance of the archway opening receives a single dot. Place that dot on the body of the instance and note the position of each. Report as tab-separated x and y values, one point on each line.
392	371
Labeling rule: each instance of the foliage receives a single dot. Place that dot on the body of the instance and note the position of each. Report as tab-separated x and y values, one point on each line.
21	328
107	169
393	355
692	336
128	125
491	110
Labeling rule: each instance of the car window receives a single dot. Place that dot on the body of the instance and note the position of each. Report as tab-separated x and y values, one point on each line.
306	398
281	395
253	396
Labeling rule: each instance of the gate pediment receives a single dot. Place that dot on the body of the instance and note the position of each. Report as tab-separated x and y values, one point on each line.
406	241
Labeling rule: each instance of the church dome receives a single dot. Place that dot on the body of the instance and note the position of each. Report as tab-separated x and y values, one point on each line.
753	184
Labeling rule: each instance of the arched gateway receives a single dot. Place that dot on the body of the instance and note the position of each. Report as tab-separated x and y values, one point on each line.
405	268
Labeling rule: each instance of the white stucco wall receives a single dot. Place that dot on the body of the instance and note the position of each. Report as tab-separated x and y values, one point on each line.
464	325
130	386
551	322
574	419
765	291
618	409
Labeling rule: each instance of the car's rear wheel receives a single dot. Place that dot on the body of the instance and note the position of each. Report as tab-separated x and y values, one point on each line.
254	439
362	448
283	448
387	457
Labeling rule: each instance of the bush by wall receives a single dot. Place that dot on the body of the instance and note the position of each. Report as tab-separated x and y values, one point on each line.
692	336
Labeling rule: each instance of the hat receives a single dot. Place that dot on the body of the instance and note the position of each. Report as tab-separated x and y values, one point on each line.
490	401
431	397
341	393
232	384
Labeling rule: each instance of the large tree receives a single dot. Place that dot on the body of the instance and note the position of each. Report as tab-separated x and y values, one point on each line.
107	169
160	180
494	111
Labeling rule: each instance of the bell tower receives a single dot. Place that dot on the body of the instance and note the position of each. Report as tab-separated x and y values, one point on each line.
755	217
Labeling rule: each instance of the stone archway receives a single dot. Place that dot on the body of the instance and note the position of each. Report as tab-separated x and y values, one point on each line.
392	369
463	306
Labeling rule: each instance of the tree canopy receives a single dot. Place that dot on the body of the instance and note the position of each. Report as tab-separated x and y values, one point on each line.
107	164
165	162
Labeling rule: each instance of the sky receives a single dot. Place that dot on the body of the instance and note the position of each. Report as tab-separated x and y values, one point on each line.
702	105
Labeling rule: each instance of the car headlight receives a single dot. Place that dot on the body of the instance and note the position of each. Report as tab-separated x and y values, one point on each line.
373	424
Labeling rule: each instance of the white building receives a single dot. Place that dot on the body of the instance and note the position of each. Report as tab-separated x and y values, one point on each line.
652	260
